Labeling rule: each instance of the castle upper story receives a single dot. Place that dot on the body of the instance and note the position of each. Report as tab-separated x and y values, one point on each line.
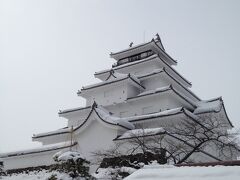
138	69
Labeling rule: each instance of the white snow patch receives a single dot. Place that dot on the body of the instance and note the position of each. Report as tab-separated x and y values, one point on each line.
117	75
141	132
159	172
104	82
65	130
105	173
112	119
155	90
112	173
156	71
112	80
154	115
69	155
128	170
208	106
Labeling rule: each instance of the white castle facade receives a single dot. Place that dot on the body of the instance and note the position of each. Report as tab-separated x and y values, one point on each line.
142	89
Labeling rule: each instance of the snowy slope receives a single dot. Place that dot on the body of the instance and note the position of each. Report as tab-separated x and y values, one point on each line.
158	172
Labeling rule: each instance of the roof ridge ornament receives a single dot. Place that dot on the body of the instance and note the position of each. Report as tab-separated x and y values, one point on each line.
158	37
160	41
130	45
94	105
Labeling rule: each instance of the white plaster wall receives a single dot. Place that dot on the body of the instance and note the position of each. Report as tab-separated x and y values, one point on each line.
155	82
139	69
148	67
54	139
132	91
32	160
161	80
108	95
135	107
76	117
96	136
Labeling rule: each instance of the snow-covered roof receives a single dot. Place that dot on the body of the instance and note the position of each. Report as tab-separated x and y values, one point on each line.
158	172
101	113
73	110
154	57
56	132
170	112
154	45
45	148
208	106
162	90
163	70
123	77
104	114
150	58
213	105
157	90
113	75
141	132
154	72
68	155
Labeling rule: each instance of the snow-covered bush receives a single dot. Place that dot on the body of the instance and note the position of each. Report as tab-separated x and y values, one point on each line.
121	166
73	163
133	160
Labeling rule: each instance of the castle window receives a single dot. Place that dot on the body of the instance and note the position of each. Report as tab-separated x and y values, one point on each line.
135	57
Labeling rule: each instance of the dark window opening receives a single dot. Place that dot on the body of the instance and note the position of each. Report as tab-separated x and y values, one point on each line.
135	57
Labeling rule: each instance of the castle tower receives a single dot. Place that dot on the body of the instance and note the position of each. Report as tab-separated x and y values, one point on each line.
141	90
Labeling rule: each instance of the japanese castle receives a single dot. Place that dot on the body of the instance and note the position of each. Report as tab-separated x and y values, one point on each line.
141	90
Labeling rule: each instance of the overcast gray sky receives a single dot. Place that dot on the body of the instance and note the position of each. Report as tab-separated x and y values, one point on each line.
50	48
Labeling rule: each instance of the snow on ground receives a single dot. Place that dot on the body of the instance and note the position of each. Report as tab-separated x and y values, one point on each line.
70	155
112	173
34	175
158	172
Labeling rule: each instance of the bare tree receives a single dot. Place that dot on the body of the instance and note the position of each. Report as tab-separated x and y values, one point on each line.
179	141
202	135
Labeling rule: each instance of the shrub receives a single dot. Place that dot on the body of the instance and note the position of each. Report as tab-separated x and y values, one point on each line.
72	163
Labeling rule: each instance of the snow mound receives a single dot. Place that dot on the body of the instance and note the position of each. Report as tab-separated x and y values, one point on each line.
186	173
69	155
112	173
